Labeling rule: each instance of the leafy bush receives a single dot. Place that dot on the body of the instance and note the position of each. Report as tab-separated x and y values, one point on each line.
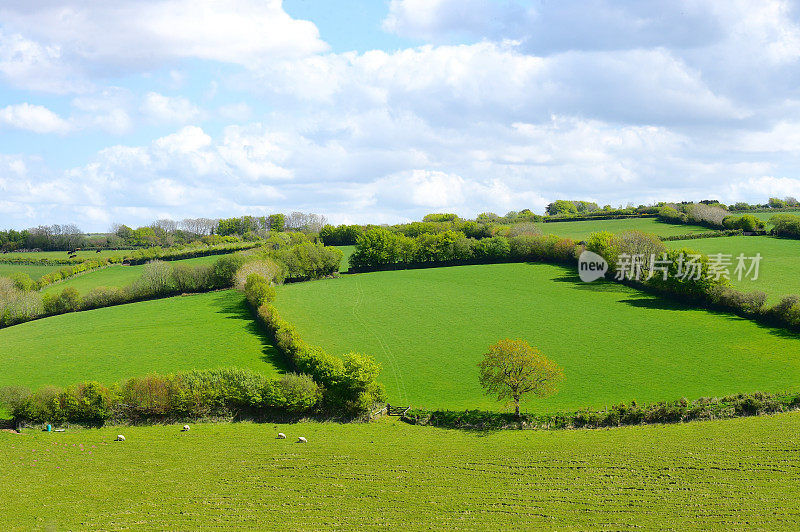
786	225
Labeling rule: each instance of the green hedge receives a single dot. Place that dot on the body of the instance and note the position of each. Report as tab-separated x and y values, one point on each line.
349	383
187	395
615	416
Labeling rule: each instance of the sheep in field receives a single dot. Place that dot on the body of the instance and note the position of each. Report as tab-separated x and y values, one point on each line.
120	437
185	428
302	440
281	436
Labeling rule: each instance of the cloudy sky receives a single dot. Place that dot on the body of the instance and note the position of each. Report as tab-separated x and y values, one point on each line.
382	111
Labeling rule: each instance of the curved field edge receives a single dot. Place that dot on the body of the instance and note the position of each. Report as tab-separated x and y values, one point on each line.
778	269
197	331
429	328
722	474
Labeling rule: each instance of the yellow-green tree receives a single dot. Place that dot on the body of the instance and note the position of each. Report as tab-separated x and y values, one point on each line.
513	368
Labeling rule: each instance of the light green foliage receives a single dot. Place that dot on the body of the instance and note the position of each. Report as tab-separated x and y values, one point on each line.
166	335
427	328
721	475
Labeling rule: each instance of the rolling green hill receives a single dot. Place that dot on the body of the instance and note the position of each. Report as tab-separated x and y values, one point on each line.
111	344
429	328
581	230
779	270
718	475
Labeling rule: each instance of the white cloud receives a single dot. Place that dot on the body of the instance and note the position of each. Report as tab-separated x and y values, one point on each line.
162	109
33	118
150	32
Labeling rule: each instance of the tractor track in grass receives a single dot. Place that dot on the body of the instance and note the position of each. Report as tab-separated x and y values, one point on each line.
396	373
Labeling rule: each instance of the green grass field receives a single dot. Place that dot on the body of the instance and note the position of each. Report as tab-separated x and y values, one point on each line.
429	328
115	276
765	216
346	252
581	230
778	271
111	344
734	474
35	272
91	254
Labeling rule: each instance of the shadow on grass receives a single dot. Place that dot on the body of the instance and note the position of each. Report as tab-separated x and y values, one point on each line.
644	300
234	306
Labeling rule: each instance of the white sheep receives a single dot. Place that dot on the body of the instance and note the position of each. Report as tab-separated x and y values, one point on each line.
281	436
185	428
302	440
120	437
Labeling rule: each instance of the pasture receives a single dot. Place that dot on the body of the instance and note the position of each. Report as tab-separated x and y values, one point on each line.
85	255
110	344
765	216
115	276
582	230
734	474
429	328
778	271
34	271
347	251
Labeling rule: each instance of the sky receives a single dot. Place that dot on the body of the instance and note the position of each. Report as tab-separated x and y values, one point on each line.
380	111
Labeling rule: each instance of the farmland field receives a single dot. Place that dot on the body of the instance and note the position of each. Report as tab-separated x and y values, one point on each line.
110	344
778	271
429	328
765	216
35	271
116	276
581	230
346	252
86	255
733	474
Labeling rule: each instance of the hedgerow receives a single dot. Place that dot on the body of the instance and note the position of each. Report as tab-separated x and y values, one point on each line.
188	395
615	416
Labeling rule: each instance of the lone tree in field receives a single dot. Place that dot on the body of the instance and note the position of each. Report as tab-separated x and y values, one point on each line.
512	368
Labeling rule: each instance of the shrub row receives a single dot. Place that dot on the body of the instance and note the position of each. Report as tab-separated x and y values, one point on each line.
193	394
379	248
159	279
706	234
349	383
615	416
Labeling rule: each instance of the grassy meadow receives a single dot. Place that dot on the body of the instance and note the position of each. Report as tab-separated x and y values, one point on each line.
110	344
49	255
346	252
582	230
35	271
429	328
116	276
778	271
733	474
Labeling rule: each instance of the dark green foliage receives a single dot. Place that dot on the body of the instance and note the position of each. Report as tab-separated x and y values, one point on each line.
223	273
308	261
747	223
342	235
618	415
786	225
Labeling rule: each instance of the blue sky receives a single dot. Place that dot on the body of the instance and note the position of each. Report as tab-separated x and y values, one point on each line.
382	111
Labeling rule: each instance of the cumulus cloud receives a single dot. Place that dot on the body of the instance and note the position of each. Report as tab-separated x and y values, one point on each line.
162	109
33	118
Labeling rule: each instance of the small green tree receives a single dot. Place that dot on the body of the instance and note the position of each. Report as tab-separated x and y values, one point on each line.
513	368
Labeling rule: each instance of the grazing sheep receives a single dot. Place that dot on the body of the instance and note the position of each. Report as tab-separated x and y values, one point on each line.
120	437
281	436
302	440
185	428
